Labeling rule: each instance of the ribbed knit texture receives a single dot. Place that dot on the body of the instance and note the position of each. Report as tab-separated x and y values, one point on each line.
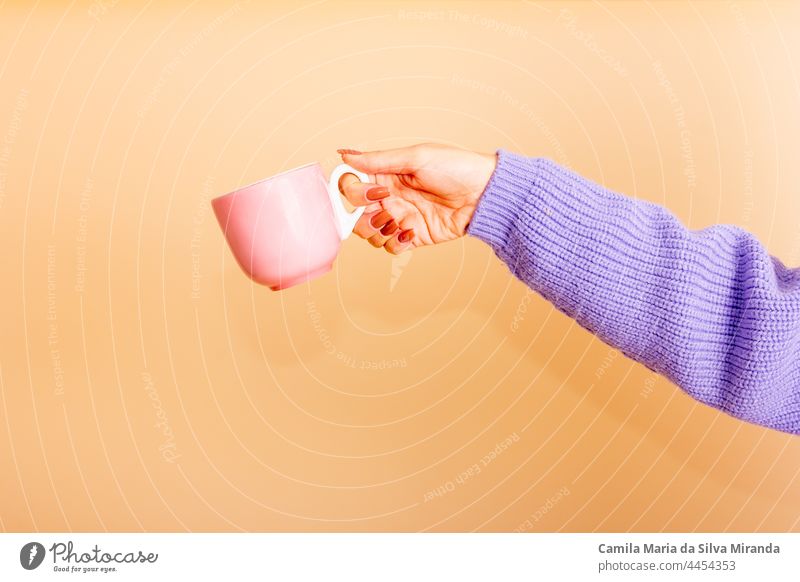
711	310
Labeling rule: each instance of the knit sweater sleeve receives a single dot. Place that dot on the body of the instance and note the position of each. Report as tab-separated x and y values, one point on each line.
711	310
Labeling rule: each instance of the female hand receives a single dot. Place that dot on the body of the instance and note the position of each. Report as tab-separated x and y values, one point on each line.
419	195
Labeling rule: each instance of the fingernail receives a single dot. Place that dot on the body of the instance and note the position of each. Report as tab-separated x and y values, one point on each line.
377	221
377	193
348	151
405	236
389	228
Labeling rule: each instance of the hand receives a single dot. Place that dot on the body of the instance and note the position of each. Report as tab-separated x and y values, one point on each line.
420	195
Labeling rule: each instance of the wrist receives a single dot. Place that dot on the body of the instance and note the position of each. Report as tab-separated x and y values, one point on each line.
486	168
503	198
483	167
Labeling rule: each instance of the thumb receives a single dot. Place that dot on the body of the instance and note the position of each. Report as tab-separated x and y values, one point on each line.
395	161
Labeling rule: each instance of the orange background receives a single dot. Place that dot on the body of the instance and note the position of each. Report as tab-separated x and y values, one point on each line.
148	385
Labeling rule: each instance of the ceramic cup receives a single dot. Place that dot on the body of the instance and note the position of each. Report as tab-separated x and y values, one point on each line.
288	228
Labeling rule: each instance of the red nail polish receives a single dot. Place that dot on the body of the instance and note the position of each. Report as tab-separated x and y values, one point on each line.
348	151
379	219
405	236
389	228
377	193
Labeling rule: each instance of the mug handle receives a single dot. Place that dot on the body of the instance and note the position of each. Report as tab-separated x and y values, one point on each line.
345	221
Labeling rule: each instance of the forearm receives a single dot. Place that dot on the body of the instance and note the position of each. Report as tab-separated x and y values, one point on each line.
711	310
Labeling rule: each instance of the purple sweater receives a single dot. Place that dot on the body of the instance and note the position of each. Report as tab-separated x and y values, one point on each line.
711	310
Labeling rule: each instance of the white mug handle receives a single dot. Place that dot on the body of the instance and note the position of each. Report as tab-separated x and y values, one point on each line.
345	221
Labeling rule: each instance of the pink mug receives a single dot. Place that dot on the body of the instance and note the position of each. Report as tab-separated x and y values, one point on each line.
288	228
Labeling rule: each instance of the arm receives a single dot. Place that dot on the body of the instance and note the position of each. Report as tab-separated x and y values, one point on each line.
709	309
